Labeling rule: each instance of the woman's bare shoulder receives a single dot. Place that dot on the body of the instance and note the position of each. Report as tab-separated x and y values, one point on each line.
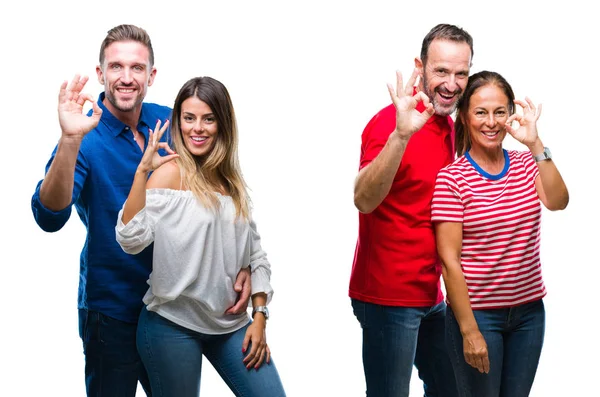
166	176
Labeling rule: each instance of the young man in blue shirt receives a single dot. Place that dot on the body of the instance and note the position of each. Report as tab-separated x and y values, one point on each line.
92	167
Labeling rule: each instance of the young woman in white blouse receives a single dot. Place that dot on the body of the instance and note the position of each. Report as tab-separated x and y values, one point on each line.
195	209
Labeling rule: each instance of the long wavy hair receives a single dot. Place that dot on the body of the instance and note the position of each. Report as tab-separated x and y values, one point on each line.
476	81
204	175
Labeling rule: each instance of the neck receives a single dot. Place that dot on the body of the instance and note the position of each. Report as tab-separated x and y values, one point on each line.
491	160
130	118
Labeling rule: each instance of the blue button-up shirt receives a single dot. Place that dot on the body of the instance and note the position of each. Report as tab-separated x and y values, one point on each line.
110	281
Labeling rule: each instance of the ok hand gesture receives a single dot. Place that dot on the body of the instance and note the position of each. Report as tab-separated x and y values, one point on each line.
408	119
152	159
527	132
73	123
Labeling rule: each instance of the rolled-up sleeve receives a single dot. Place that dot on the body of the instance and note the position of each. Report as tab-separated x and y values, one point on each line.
261	268
52	221
48	220
138	233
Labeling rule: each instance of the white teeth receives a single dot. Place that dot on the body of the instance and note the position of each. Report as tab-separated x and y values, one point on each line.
490	134
446	95
198	138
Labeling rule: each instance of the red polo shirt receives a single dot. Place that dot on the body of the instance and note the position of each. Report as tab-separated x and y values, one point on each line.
395	262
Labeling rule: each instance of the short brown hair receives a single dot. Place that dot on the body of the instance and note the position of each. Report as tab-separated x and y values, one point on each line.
127	33
444	31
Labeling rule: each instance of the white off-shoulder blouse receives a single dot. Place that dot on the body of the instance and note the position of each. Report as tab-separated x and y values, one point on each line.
198	253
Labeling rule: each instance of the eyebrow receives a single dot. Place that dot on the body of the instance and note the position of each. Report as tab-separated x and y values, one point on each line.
193	114
126	63
447	70
498	108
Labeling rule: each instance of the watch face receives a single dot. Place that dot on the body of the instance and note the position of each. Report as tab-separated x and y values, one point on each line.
545	155
263	310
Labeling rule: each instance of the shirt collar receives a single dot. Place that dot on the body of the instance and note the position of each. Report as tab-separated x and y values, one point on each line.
116	126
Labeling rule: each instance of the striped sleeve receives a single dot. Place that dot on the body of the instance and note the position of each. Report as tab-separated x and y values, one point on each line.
446	205
531	168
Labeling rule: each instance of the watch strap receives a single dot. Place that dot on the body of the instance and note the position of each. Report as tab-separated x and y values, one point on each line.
545	155
261	309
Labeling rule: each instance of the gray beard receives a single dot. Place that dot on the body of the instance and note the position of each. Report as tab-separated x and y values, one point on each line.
439	109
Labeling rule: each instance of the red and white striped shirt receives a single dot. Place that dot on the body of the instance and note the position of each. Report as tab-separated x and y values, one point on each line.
501	217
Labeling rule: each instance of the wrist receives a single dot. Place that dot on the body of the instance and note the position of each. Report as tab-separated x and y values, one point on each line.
536	147
70	141
260	312
399	137
469	330
142	171
259	319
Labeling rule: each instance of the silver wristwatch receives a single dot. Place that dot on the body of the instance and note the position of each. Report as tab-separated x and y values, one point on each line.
261	309
545	155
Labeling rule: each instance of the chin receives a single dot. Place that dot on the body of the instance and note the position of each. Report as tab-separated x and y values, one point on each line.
444	110
198	152
125	106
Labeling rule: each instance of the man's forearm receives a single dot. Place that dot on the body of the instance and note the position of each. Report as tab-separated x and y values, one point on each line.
56	191
374	182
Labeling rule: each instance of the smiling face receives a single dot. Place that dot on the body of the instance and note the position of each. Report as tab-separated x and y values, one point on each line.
126	75
445	73
199	127
486	117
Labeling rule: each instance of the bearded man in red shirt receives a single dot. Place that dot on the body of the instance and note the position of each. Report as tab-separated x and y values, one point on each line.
395	282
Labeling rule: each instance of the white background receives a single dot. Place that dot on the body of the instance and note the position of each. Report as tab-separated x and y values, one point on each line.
305	78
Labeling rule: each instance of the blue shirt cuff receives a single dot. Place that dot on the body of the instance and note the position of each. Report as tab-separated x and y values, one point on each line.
48	220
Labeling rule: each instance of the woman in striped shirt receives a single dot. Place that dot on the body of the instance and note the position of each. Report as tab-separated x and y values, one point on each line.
486	211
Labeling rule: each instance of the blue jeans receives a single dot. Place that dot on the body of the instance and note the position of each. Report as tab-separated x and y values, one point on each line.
173	356
514	338
112	364
395	339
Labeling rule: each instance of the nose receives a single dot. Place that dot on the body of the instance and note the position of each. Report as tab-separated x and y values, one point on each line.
490	120
198	126
451	84
126	76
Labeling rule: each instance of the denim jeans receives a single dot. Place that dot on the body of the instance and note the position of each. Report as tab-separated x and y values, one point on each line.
395	339
112	364
514	338
173	356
